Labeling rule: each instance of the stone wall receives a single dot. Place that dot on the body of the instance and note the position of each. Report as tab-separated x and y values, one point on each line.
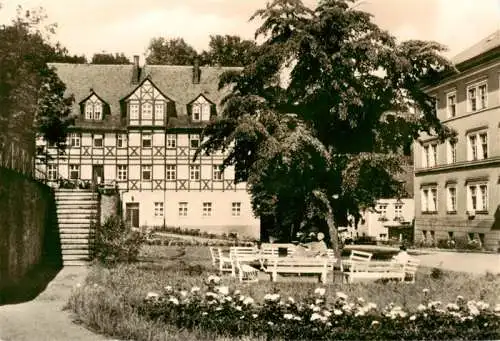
28	227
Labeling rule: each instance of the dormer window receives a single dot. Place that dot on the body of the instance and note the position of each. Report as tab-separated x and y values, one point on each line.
147	106
93	108
200	109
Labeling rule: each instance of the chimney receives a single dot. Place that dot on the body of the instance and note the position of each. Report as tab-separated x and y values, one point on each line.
136	73
196	71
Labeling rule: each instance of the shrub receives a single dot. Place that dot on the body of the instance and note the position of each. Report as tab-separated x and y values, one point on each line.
115	242
436	273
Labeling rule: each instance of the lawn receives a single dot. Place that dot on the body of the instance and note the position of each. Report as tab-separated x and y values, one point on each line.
106	302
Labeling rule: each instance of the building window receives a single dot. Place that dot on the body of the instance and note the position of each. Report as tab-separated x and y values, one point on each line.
429	158
171	141
158	209
207	209
398	211
451	199
159	111
429	199
74	140
196	112
171	172
382	208
146	140
477	197
146	111
236	209
122	172
183	209
477	97
52	172
98	141
452	152
194	141
74	172
134	111
217	172
146	172
452	104
93	109
194	172
477	146
121	140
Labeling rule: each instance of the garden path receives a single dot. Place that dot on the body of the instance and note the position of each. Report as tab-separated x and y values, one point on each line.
43	319
474	263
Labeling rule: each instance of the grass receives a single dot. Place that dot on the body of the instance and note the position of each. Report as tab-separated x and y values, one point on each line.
105	303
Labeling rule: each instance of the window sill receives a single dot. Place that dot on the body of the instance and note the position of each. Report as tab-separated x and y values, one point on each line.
482	212
451	212
429	212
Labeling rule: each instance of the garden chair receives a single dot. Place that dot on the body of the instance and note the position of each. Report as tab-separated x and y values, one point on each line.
222	262
411	269
246	273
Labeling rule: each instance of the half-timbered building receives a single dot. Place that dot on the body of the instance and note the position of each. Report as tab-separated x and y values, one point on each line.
138	128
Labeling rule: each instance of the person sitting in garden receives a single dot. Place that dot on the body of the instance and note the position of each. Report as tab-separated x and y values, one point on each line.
312	248
402	256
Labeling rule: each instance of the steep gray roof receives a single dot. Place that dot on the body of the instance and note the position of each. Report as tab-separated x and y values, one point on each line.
489	43
112	83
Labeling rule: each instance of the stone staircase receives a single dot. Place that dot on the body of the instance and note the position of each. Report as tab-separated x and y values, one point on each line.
75	210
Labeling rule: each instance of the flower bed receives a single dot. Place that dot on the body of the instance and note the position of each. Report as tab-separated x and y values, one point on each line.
217	309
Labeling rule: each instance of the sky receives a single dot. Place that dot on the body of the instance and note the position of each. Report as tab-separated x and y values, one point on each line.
90	26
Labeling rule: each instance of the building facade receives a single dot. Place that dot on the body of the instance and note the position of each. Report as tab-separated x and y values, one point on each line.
457	188
138	128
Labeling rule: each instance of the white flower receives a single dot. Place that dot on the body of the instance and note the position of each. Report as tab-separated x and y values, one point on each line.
371	305
473	310
242	317
78	285
270	323
320	291
341	295
460	298
297	318
360	312
375	322
238	307
327	313
96	285
337	312
425	291
421	307
288	316
452	306
319	301
168	288
413	318
195	289
248	301
214	279
272	297
211	294
152	295
173	300
254	316
434	304
482	305
223	290
218	308
183	293
497	308
316	316
291	300
361	300
204	313
237	292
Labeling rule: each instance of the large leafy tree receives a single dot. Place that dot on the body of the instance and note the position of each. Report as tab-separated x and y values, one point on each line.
170	51
229	50
324	141
109	58
31	95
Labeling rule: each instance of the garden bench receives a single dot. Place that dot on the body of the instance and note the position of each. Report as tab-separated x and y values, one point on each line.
299	265
411	269
360	256
245	253
269	251
246	273
222	262
375	270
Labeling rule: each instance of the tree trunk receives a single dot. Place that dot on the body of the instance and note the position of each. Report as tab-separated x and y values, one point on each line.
334	236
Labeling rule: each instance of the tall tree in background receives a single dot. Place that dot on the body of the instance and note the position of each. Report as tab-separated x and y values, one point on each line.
109	58
31	94
170	51
229	50
61	55
324	142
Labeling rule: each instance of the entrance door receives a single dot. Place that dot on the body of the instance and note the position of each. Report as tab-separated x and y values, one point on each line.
98	174
132	214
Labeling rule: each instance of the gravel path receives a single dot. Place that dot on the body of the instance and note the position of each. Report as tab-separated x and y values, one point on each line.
43	319
475	263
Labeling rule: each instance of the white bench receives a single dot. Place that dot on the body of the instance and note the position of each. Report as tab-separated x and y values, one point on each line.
411	268
245	253
269	251
299	265
240	256
221	262
375	270
360	256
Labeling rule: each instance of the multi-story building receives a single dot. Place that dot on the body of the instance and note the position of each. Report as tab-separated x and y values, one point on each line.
457	189
138	128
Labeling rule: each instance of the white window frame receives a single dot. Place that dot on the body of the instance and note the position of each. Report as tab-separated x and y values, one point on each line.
479	101
134	111
451	152
183	209
74	168
451	198
122	172
196	110
217	173
75	140
93	109
398	211
171	172
193	138
207	209
147	111
451	104
475	147
98	137
383	210
147	137
480	192
236	209
171	141
121	140
429	155
146	168
429	199
159	111
194	172
159	212
52	171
